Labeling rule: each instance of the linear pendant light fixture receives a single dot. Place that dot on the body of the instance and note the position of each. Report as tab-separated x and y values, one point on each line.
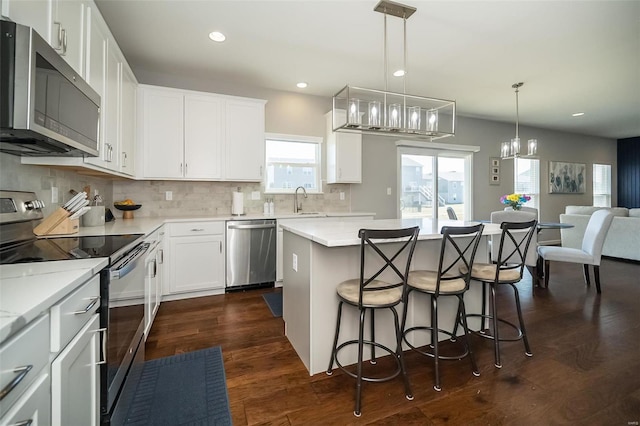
510	150
373	111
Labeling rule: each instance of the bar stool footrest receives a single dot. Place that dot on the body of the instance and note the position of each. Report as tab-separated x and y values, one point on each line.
429	354
483	334
367	343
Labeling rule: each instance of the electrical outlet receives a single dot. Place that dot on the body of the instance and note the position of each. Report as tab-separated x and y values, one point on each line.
295	262
388	191
255	195
54	194
168	195
341	196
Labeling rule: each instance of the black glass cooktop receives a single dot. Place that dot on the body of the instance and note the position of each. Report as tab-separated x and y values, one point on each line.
66	248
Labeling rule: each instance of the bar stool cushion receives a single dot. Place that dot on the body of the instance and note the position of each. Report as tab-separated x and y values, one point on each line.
487	272
349	292
427	281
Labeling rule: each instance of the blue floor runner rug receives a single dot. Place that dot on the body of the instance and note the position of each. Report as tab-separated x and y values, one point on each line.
180	390
274	302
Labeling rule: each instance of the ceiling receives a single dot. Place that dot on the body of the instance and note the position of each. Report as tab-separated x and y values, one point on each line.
574	56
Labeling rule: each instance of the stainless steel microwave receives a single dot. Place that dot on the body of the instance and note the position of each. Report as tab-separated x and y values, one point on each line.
46	108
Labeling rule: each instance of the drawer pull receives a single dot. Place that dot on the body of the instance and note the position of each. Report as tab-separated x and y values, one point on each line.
94	300
16	380
197	229
24	423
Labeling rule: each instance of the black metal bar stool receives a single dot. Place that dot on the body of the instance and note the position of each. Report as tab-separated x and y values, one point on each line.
368	294
507	269
456	254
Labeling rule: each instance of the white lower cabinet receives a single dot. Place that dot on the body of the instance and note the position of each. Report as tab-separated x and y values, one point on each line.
153	283
195	257
34	407
75	379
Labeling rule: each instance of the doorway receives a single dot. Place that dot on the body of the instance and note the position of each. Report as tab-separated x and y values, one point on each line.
431	181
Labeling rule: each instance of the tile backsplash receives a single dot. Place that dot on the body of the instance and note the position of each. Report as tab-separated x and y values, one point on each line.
188	198
214	198
15	176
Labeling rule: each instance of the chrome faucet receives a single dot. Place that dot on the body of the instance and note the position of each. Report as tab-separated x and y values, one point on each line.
297	207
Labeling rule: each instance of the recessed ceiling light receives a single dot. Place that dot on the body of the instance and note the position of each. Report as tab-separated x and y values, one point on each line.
399	73
217	36
577	114
302	85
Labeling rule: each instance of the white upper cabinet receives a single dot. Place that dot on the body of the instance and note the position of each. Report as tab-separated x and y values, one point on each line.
344	155
200	136
67	31
59	22
104	75
244	141
162	133
129	87
35	14
98	59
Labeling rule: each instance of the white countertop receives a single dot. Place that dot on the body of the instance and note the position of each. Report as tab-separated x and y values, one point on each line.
337	234
28	289
146	225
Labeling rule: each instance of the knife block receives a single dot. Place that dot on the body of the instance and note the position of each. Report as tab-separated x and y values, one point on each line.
57	222
67	226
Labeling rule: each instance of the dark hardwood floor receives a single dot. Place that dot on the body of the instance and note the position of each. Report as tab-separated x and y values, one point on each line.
585	368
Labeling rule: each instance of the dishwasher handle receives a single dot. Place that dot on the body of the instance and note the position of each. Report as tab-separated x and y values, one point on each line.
265	226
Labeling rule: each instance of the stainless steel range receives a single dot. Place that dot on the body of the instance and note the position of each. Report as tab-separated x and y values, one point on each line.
122	288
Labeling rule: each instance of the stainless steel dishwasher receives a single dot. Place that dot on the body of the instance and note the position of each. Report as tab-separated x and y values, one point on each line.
251	252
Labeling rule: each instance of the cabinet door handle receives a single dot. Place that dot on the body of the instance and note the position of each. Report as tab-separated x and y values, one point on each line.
64	42
94	300
60	30
260	171
340	173
22	372
186	169
104	346
220	246
124	159
161	253
155	268
180	168
28	422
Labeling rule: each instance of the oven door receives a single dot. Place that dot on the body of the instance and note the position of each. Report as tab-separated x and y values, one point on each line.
125	319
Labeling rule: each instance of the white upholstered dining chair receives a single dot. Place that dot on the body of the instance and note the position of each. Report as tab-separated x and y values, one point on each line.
589	254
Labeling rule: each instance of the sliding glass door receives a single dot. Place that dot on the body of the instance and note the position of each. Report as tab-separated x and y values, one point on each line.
433	181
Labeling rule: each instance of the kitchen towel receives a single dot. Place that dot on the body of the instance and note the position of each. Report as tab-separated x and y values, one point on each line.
237	205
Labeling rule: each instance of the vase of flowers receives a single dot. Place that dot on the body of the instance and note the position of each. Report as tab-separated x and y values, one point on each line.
515	201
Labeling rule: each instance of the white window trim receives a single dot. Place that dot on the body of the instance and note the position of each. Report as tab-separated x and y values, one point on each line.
295	138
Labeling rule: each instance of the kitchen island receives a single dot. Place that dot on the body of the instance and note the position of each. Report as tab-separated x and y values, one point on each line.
319	255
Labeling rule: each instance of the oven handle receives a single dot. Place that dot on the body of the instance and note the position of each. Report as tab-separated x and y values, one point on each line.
128	263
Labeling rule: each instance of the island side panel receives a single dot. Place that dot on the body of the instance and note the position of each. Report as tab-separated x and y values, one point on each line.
296	309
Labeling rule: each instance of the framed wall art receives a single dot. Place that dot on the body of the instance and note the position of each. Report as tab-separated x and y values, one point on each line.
567	178
494	171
